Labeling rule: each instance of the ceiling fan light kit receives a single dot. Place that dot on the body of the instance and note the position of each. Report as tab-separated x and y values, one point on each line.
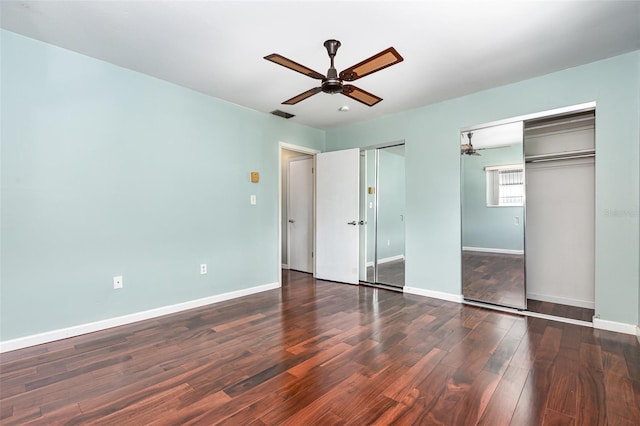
333	82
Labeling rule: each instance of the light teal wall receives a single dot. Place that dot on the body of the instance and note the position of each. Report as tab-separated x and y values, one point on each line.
489	227
106	172
431	134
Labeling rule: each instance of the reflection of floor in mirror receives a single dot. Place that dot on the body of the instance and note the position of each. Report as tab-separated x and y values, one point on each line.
493	278
558	310
391	273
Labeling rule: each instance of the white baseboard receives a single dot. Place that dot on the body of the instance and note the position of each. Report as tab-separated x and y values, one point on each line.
562	300
598	323
493	250
618	327
457	298
391	259
387	260
64	333
285	266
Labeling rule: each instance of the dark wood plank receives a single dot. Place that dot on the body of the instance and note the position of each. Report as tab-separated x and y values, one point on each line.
591	392
554	418
315	352
503	402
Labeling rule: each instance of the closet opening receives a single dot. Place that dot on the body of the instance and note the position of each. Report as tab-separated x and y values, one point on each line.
528	214
560	157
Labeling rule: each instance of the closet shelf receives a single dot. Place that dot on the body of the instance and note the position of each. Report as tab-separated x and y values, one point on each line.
567	155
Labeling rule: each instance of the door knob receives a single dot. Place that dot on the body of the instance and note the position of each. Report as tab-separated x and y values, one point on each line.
353	222
292	221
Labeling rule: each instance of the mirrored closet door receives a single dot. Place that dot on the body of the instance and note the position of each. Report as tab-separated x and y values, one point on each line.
382	238
540	167
492	200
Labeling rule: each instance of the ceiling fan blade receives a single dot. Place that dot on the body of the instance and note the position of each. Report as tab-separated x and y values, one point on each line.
288	63
382	60
360	95
303	96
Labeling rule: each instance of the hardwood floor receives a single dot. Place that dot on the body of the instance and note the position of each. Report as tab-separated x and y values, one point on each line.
315	352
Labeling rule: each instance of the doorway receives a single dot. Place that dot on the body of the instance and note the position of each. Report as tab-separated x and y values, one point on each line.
300	214
560	236
296	207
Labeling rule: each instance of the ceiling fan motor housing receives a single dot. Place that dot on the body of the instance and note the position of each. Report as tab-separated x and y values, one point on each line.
332	84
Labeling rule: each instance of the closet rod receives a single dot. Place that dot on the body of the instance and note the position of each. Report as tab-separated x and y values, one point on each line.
569	155
559	123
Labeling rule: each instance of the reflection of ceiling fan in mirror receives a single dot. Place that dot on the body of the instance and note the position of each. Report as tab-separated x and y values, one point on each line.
333	83
468	149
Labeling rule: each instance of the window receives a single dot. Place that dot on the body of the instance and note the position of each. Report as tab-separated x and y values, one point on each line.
505	185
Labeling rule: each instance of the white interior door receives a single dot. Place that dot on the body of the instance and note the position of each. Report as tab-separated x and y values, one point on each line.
300	214
337	215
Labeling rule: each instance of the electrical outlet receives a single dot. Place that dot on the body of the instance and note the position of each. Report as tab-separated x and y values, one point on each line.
203	268
117	282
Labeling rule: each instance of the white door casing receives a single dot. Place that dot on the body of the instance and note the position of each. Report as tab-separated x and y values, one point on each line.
337	205
300	215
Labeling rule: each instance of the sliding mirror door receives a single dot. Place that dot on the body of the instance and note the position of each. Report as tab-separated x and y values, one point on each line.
492	198
383	202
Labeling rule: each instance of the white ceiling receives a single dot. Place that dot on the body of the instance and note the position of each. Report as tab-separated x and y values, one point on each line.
450	48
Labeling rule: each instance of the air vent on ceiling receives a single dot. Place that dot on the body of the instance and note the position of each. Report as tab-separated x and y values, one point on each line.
282	114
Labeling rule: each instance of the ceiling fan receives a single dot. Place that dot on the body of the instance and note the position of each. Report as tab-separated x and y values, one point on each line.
468	149
333	82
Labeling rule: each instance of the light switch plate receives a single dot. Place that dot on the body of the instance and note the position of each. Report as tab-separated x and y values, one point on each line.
254	201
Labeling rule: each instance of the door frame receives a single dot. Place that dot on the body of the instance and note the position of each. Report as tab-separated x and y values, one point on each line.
303	150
